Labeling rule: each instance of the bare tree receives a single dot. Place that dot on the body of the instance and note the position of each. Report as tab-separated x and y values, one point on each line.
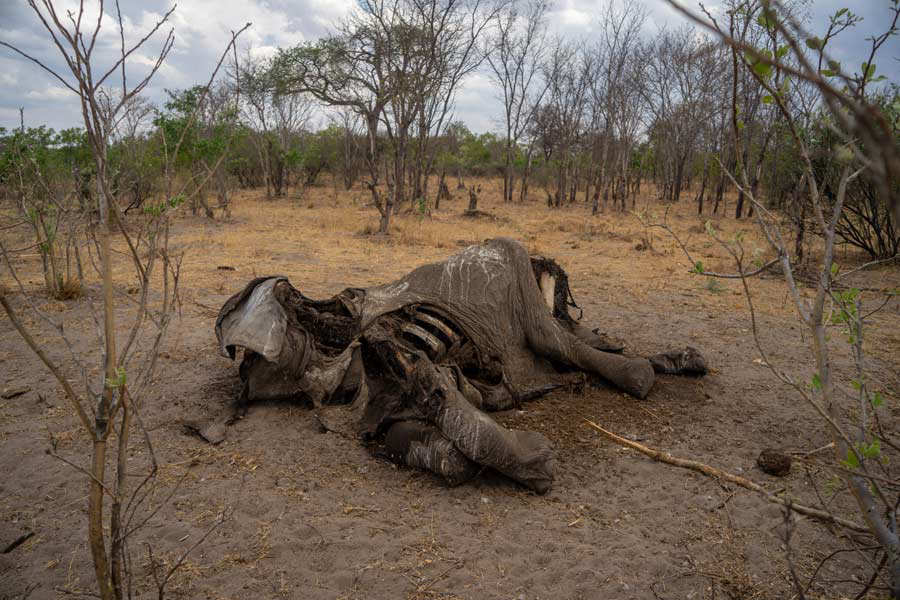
455	29
350	127
396	63
683	87
113	402
134	172
561	119
515	53
345	70
617	106
257	111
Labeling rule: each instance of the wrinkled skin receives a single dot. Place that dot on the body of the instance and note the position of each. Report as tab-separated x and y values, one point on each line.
419	361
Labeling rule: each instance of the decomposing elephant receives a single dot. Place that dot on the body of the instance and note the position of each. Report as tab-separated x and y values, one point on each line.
419	361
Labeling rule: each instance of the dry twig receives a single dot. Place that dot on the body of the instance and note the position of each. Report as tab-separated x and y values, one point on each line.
709	471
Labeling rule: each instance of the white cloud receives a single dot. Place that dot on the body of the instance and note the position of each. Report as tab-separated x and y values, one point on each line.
263	52
203	29
571	15
51	92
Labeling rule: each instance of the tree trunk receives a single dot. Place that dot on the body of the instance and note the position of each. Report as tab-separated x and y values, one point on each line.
507	174
105	404
573	190
720	192
95	521
679	177
526	172
443	191
473	200
702	192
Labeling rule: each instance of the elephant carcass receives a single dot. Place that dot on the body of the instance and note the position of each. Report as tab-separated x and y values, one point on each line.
422	358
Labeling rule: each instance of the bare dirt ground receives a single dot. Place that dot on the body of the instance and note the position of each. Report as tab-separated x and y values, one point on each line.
313	515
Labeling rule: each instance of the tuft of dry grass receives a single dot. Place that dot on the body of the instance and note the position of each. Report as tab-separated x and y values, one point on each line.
69	290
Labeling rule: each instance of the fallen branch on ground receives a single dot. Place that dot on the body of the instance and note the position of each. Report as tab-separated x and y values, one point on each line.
709	471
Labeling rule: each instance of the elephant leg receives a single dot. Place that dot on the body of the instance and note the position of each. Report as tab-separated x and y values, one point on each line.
422	446
525	456
630	374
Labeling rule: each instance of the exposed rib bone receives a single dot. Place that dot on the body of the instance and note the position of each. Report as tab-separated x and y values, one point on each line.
450	336
435	347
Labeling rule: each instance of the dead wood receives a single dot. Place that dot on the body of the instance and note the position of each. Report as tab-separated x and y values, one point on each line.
18	542
709	471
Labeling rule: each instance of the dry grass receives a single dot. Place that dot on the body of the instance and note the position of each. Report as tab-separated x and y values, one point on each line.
324	242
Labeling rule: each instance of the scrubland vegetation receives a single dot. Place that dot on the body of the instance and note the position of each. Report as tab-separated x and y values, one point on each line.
728	168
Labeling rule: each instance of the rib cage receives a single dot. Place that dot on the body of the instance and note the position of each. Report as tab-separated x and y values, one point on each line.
432	333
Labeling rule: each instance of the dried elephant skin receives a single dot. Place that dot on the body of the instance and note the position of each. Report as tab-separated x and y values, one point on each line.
421	358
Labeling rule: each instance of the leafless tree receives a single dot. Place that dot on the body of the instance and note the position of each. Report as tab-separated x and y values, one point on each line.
257	111
132	171
113	402
568	73
396	63
683	87
348	122
617	105
515	53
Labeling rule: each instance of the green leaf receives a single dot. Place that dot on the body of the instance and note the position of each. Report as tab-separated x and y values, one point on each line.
873	450
762	69
852	461
119	381
816	382
840	13
876	399
856	384
767	99
834	268
834	65
814	43
698	267
828	72
868	70
767	19
783	50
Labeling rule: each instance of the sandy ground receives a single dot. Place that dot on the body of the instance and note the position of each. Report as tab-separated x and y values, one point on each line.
314	515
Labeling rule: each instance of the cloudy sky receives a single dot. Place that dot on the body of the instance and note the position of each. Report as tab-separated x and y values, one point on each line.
202	27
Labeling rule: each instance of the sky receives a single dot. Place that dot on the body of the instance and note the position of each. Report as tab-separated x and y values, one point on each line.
202	30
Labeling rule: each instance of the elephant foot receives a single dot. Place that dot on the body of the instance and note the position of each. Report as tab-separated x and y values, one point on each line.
688	361
637	377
